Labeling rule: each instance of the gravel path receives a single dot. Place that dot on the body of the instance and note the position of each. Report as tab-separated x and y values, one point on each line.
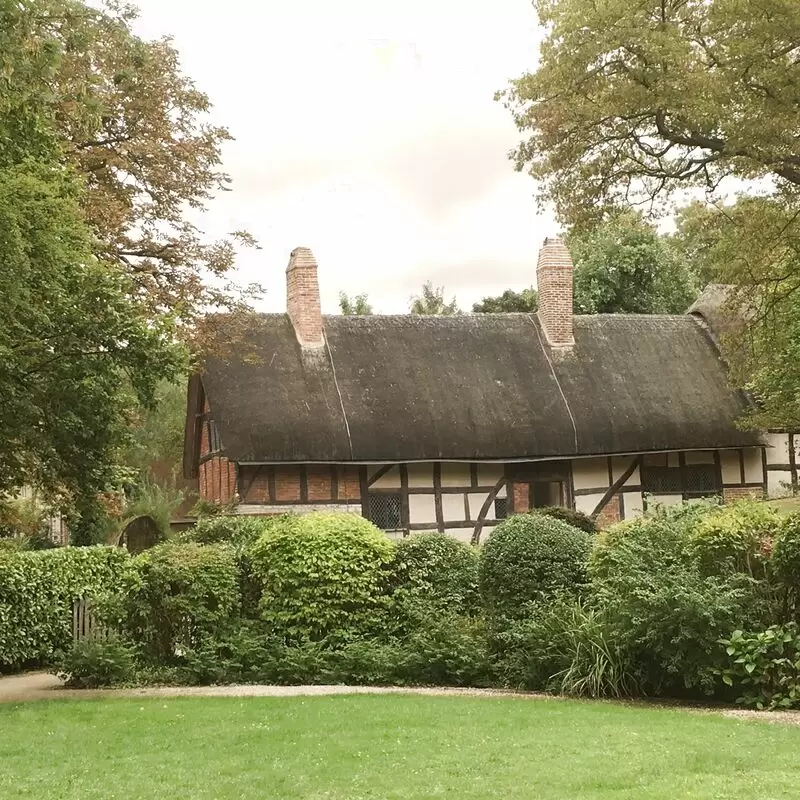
43	686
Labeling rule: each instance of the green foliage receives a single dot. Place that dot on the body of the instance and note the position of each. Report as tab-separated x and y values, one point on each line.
239	531
358	306
176	596
526	301
527	557
77	353
322	575
564	646
88	521
37	590
764	666
569	515
785	562
432	303
432	573
154	500
24	525
623	266
631	102
663	613
93	663
736	539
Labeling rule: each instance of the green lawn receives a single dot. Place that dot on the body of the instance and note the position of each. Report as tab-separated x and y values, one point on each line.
386	747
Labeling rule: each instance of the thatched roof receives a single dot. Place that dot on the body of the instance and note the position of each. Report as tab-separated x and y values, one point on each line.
484	386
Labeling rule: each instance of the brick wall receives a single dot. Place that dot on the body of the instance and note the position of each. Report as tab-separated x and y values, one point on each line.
325	483
611	513
521	494
554	284
302	297
217	480
731	494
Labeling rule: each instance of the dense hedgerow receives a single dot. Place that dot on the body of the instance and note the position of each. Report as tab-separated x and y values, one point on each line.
37	590
571	516
176	596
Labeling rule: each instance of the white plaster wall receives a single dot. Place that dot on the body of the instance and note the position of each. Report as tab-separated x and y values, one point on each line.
489	474
618	467
421	509
777	448
453	507
729	461
588	502
634	504
420	476
700	456
665	499
476	501
465	534
391	480
589	473
779	483
753	465
455	475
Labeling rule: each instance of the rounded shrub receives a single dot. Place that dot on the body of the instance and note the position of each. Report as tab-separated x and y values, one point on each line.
736	539
569	515
176	596
239	531
431	573
529	556
322	576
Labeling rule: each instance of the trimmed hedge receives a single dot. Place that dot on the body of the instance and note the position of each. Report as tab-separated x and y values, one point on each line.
322	575
527	557
37	590
569	515
175	596
433	573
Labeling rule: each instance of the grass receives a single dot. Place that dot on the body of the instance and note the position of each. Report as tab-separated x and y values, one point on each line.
786	505
386	747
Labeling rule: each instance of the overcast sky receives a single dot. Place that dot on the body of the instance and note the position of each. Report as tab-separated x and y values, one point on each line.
370	136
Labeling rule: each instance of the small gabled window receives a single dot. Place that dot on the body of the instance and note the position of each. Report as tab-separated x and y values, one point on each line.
213	437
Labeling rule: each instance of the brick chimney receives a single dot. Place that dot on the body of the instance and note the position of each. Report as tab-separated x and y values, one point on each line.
302	298
554	282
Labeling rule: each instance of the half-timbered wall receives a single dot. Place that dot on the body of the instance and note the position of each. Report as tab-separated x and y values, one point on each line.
781	459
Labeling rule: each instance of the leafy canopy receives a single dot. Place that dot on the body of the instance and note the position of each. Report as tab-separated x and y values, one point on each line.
510	301
357	306
623	266
632	101
431	302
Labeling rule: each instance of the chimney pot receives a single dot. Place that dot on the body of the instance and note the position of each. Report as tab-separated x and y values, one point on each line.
302	298
554	282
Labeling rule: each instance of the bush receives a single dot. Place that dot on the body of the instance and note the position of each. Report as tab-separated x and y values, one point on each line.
764	666
239	531
567	647
176	596
785	562
92	663
569	515
663	613
37	590
736	538
432	572
322	576
528	557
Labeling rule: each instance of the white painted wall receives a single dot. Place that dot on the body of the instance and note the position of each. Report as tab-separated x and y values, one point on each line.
298	508
779	483
729	461
634	504
753	465
700	456
453	507
391	480
777	448
618	467
589	473
455	475
422	509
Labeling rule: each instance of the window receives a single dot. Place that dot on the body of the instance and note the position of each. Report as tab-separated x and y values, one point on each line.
691	480
213	437
501	508
384	511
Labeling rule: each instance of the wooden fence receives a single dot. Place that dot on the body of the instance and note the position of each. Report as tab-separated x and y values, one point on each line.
85	624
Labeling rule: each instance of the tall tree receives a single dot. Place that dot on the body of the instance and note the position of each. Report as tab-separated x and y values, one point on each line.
431	302
623	266
633	100
509	302
357	306
78	352
135	129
